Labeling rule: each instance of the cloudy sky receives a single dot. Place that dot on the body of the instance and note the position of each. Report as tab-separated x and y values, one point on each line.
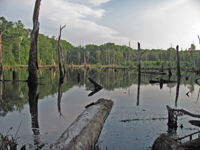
153	23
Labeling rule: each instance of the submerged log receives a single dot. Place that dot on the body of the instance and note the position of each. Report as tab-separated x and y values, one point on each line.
86	128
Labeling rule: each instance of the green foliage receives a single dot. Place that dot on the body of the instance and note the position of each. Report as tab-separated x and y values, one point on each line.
98	65
16	45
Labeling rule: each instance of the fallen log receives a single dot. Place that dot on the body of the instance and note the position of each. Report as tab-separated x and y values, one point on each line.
86	128
127	120
193	145
152	72
195	122
161	81
164	142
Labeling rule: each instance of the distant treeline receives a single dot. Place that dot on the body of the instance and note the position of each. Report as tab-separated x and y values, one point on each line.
15	44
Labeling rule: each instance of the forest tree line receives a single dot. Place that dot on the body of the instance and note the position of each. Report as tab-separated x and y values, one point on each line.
15	45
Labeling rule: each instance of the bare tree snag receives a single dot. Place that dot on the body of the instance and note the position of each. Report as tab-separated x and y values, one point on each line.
139	75
1	52
60	56
33	61
85	61
178	64
139	57
129	54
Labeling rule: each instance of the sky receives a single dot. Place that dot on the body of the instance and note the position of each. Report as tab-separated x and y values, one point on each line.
155	24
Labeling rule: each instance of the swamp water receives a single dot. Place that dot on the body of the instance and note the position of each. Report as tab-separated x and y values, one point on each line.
42	124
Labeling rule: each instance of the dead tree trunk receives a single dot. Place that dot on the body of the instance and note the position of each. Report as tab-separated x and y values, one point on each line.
85	61
129	54
60	56
139	75
178	64
33	61
139	67
1	52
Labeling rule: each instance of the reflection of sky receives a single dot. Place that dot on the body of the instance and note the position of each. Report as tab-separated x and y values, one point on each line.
115	134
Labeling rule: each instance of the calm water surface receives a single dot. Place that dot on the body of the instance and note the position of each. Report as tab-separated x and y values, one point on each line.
44	122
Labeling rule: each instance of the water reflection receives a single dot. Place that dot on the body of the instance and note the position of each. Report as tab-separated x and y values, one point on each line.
138	91
16	94
177	90
33	103
109	79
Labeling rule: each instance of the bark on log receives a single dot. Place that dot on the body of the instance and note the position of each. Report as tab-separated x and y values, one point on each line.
84	131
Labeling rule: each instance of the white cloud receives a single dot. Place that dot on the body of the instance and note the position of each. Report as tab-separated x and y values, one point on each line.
93	2
98	2
78	18
163	9
171	22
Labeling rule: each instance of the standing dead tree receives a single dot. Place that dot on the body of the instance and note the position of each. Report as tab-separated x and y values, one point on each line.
1	51
33	60
139	67
60	56
129	54
85	63
178	64
139	75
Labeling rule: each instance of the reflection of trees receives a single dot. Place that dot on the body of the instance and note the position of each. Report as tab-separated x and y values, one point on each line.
177	90
60	92
1	100
15	95
138	90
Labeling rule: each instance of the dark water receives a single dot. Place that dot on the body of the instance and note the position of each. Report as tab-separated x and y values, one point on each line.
43	122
